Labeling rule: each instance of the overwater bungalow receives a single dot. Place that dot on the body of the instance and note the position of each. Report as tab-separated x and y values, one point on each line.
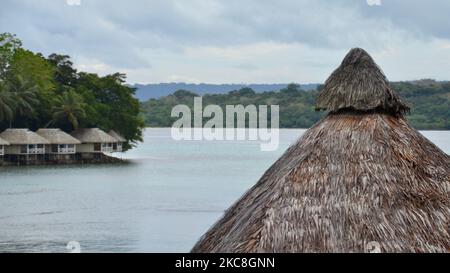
3	143
94	142
61	145
25	145
117	146
360	180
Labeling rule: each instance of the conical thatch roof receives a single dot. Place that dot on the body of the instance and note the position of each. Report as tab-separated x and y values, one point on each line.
92	135
22	137
354	178
3	142
358	83
118	137
56	136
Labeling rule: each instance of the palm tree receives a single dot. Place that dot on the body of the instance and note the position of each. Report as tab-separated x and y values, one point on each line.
7	104
69	110
24	94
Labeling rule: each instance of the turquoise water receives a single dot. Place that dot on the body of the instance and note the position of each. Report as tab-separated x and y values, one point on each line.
163	201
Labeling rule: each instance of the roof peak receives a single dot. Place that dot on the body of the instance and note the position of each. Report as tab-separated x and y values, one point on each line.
359	84
357	55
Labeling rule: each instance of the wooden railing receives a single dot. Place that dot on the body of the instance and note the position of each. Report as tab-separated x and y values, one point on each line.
107	148
66	150
36	151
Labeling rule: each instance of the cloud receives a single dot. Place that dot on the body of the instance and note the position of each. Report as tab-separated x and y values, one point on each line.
374	2
73	2
230	41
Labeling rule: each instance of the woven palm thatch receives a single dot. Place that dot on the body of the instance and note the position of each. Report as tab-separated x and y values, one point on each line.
3	142
22	137
358	83
360	175
116	136
56	136
92	135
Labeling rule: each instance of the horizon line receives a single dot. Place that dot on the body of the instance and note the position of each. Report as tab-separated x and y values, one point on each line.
273	83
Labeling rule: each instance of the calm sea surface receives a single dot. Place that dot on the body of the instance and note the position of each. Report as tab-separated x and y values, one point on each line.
163	201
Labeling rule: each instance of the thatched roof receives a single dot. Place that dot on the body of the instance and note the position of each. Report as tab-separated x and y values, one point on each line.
22	137
353	178
358	83
118	137
92	135
3	142
56	136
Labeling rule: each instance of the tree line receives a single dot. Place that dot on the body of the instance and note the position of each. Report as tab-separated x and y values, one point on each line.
39	92
429	101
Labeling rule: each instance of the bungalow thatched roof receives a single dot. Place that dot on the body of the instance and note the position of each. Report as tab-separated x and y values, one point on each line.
92	135
354	178
118	137
56	136
3	142
22	137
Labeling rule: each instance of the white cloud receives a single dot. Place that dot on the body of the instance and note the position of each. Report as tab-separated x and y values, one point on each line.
234	41
93	66
73	2
374	2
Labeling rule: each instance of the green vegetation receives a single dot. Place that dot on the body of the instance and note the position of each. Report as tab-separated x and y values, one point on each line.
429	101
38	92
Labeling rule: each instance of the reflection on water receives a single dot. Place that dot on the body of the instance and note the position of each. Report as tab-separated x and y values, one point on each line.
163	201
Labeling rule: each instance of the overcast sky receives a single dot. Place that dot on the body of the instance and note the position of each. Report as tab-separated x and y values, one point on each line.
235	41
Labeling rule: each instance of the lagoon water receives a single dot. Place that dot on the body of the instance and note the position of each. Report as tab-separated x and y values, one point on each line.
163	201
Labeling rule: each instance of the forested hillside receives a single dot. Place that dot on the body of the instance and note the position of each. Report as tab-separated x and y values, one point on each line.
429	101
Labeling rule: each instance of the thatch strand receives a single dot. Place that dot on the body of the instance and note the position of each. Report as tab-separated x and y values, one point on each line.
355	177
